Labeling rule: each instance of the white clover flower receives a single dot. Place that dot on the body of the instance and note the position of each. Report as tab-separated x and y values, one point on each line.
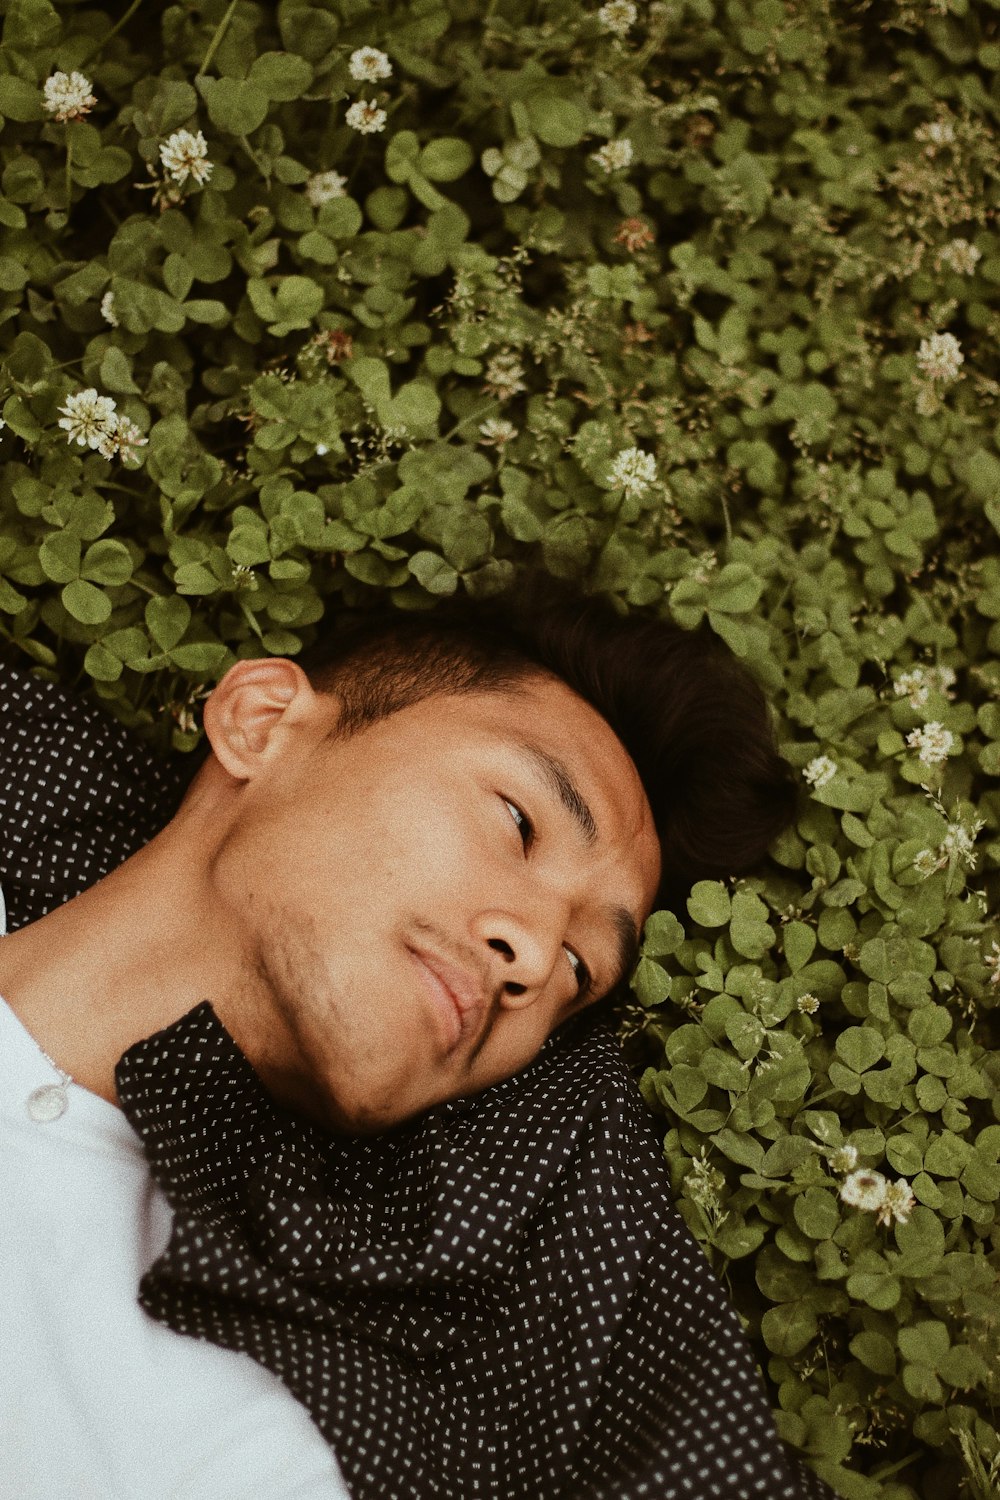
504	375
67	96
120	439
992	962
940	132
897	1202
844	1159
618	16
632	470
497	430
926	861
912	684
961	256
916	683
613	155
108	309
807	1004
820	770
368	65
321	448
183	153
940	356
3	424
864	1189
87	417
322	186
366	117
932	742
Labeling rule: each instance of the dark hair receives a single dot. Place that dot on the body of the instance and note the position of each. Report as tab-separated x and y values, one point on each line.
691	715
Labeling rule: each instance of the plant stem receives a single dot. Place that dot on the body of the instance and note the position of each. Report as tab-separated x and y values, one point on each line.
490	406
811	1103
900	1464
109	484
99	46
69	179
251	619
216	41
253	157
725	512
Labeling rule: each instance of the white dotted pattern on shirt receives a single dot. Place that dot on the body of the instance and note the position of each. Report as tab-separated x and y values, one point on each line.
79	793
497	1299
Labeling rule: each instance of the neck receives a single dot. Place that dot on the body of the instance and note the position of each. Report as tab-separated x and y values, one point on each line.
132	954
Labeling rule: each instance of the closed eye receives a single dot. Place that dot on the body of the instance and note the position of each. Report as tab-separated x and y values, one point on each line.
584	980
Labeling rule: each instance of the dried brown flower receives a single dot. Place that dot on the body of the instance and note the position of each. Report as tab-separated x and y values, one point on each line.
634	234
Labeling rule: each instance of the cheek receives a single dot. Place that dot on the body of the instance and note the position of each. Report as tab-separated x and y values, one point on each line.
381	856
434	841
367	849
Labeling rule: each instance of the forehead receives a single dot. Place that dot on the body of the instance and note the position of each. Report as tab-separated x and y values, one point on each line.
546	714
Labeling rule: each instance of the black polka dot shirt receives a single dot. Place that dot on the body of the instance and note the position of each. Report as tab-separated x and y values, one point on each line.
497	1299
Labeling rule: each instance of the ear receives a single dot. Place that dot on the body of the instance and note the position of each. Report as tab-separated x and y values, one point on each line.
255	711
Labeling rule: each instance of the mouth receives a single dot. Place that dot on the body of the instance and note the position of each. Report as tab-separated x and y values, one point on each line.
457	997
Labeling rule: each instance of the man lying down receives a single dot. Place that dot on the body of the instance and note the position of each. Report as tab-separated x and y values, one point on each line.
323	1173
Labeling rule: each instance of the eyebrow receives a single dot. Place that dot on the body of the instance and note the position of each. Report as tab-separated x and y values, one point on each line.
558	778
628	943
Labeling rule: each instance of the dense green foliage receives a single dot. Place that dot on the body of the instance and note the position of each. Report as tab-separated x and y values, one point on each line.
695	302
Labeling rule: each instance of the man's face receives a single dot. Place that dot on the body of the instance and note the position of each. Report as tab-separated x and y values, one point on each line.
421	902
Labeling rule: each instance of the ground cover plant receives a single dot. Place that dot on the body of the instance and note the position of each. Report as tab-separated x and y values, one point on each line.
694	302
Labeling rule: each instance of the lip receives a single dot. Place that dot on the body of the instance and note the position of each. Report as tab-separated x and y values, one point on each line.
458	997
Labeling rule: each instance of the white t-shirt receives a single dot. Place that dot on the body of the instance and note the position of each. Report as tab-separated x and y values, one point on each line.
100	1401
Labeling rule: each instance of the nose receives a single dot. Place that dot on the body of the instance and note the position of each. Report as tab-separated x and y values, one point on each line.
522	954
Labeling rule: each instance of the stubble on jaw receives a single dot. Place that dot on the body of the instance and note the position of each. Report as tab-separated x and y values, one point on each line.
302	1029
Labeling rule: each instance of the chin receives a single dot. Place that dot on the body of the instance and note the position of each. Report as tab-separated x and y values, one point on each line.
348	1115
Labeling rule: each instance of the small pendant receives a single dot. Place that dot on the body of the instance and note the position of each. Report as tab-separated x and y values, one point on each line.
47	1103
